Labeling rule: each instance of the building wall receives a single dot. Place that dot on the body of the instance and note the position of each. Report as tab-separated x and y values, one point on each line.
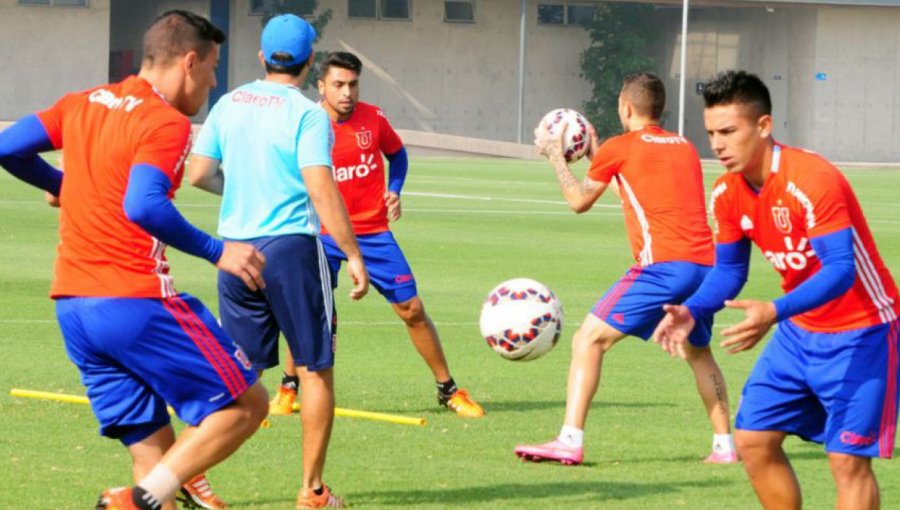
48	51
453	78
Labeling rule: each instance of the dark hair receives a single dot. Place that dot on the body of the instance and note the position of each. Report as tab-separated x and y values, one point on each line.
282	56
738	87
175	33
646	93
341	59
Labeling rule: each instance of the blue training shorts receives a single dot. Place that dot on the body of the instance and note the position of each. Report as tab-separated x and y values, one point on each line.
297	302
634	304
839	389
388	270
137	354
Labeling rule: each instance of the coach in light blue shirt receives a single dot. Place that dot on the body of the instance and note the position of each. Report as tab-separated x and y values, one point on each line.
267	150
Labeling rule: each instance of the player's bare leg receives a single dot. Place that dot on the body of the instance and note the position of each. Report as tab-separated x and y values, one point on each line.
769	469
857	488
425	338
714	393
148	452
218	435
589	344
317	416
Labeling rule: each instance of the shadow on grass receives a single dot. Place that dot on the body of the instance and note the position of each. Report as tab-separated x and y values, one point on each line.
531	493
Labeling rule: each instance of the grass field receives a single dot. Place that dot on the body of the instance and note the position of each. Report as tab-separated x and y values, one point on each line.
468	224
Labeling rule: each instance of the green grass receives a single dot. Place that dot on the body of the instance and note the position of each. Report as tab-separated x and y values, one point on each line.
645	436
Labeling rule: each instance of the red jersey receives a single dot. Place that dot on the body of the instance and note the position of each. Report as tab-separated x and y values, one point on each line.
804	197
661	184
359	143
104	132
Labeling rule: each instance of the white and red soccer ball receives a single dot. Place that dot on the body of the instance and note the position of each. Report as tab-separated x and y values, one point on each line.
521	319
576	140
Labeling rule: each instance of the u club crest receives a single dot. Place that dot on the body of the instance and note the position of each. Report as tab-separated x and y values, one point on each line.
782	217
364	139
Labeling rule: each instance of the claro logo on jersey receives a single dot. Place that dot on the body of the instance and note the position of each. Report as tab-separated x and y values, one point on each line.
796	258
366	165
114	102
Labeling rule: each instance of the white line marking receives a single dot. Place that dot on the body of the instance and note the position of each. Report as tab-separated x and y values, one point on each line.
498	199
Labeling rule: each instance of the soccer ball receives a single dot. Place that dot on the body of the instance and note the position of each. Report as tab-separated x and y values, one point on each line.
521	319
576	140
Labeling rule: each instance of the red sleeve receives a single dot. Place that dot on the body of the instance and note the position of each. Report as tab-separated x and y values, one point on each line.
609	159
164	144
822	195
390	140
52	118
726	213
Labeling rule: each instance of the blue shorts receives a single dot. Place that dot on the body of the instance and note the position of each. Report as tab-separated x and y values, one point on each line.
634	305
137	354
297	302
388	270
839	389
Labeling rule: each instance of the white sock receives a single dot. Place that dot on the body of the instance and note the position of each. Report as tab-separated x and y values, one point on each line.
161	483
571	437
722	443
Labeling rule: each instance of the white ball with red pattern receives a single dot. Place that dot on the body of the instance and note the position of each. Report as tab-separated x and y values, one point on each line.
576	140
521	319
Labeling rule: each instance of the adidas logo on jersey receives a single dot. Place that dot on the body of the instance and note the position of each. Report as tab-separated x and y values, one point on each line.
364	168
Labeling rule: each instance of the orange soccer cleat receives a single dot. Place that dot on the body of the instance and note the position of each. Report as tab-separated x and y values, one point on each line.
282	403
462	404
116	499
197	493
309	499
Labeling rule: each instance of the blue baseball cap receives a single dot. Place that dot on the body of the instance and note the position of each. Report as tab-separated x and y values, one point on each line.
287	34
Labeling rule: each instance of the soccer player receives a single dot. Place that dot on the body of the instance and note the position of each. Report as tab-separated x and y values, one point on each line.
362	135
275	148
661	187
829	372
136	341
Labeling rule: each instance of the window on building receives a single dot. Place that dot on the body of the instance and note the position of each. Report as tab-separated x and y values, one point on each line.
578	14
566	13
379	9
395	9
551	14
363	9
303	8
459	11
72	3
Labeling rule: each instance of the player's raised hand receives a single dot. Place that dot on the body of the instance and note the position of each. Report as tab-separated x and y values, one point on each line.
244	261
359	276
760	316
549	144
392	201
595	142
673	330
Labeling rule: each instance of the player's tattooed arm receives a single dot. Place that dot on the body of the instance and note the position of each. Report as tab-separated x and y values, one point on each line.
205	173
580	195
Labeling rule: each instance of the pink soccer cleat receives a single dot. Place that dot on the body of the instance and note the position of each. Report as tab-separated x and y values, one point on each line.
722	458
554	450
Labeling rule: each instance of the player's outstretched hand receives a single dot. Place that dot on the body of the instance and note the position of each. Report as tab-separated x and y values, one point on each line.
550	145
760	316
673	330
244	261
392	201
359	276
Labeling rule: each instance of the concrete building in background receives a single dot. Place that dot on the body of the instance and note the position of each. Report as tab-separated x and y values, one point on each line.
452	67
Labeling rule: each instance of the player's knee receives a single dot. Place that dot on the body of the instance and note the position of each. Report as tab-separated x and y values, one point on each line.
412	311
694	354
849	468
254	402
585	339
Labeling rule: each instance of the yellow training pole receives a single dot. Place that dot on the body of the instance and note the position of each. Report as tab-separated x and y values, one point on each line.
368	415
77	399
